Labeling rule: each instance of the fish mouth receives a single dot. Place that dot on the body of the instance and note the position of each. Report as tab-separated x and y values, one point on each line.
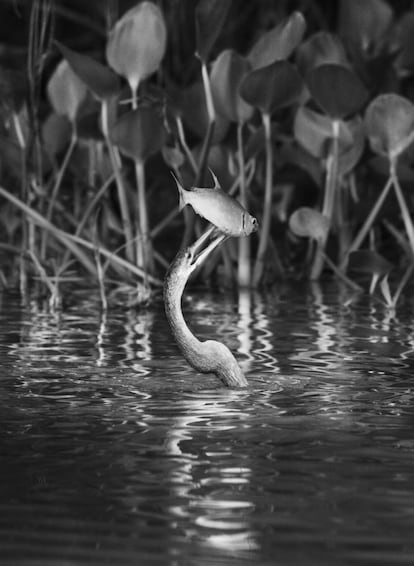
199	251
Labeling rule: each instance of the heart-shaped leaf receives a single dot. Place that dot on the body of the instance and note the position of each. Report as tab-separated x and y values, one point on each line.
190	103
101	81
139	134
227	72
272	87
66	91
279	42
220	160
56	132
309	223
314	131
336	90
364	23
88	126
349	155
405	42
173	156
374	264
136	45
368	261
389	122
319	49
210	16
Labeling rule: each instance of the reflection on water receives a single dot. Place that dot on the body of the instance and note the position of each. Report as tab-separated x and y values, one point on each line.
113	451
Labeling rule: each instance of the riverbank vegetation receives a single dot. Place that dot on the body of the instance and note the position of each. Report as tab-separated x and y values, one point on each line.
304	111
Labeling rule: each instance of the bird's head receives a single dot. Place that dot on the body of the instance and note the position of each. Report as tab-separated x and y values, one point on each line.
191	257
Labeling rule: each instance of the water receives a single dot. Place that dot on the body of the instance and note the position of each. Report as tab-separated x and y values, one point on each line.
113	451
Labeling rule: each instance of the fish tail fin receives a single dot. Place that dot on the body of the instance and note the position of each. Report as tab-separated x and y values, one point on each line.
181	193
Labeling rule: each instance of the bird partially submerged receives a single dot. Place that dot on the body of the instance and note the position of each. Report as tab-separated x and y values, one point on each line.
207	356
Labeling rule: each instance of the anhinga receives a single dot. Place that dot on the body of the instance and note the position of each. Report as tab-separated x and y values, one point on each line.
207	356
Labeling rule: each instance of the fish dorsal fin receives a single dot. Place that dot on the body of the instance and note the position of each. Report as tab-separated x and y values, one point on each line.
217	185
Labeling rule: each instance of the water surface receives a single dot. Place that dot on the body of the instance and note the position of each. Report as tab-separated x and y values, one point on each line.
114	451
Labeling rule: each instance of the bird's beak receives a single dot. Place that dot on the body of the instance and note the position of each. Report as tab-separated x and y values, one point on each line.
199	254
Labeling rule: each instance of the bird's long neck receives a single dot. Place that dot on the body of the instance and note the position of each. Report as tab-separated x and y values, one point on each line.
209	356
187	342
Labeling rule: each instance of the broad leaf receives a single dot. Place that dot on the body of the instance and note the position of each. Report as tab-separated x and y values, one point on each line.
368	261
309	223
279	42
136	45
101	81
210	16
405	39
220	161
364	23
272	87
227	72
321	48
88	126
336	90
56	132
173	156
350	154
66	91
190	103
314	131
139	134
389	122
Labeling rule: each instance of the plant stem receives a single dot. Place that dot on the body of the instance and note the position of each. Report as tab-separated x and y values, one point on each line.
120	261
403	283
340	274
211	113
408	223
123	202
190	217
184	145
134	91
43	275
267	205
88	211
57	185
45	224
329	200
101	277
244	271
144	256
360	237
28	239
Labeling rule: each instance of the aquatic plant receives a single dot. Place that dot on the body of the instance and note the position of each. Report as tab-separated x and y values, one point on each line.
288	116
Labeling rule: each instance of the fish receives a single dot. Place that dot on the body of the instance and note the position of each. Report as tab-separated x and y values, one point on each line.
218	207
